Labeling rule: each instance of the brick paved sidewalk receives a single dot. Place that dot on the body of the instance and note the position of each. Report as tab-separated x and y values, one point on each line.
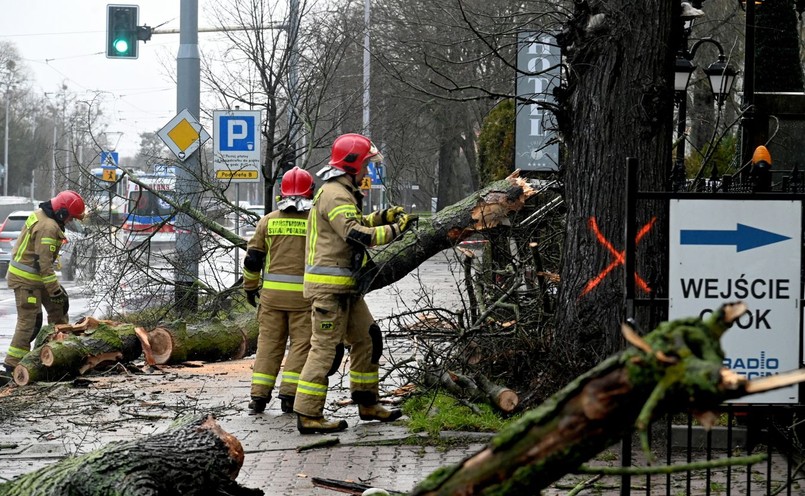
46	422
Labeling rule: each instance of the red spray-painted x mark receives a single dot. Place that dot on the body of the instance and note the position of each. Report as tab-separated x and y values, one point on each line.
620	256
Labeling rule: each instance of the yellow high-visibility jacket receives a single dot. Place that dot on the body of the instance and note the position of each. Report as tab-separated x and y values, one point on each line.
33	259
337	232
281	236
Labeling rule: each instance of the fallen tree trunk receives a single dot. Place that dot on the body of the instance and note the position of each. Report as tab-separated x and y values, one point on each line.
214	341
196	457
484	209
675	367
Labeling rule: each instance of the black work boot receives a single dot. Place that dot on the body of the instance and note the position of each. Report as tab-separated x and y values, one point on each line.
258	404
312	425
377	412
286	402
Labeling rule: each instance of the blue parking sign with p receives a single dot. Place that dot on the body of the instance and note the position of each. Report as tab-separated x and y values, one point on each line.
237	133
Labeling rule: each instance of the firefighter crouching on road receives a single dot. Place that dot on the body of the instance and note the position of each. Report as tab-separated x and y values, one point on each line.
278	249
31	271
337	238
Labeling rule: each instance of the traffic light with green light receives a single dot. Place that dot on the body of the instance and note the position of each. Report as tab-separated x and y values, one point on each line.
121	31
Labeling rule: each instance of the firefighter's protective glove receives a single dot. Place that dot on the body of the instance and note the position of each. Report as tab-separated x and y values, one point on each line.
59	298
391	214
251	296
406	221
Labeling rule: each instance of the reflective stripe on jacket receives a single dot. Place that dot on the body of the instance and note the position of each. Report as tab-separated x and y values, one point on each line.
34	255
281	236
336	229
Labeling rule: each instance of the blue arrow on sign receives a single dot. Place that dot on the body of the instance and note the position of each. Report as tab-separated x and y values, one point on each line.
743	237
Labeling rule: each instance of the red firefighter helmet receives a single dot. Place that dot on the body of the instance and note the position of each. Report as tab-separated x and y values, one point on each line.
351	150
297	182
68	205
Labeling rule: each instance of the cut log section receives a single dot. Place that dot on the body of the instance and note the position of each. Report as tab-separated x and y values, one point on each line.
75	354
500	396
196	457
212	342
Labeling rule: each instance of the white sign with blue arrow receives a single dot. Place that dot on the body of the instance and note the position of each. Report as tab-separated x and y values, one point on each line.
730	250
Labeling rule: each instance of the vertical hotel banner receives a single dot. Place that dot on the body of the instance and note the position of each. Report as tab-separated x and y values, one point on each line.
538	73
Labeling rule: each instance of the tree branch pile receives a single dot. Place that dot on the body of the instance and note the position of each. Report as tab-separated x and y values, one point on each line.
675	367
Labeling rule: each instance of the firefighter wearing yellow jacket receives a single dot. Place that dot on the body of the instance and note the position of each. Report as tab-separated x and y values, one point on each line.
337	238
31	271
277	249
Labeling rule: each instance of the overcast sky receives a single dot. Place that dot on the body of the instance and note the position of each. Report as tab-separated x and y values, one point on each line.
64	41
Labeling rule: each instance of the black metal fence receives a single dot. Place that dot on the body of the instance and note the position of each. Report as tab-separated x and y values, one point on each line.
740	430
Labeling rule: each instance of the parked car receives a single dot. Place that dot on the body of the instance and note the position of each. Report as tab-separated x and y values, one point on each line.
9	232
78	257
245	222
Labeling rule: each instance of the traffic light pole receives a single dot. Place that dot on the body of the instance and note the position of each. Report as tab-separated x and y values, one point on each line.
188	89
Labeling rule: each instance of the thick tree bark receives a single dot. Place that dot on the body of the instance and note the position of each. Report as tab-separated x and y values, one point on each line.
484	209
196	458
213	341
678	365
618	103
67	355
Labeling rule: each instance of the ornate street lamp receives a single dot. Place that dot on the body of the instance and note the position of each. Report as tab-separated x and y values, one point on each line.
720	74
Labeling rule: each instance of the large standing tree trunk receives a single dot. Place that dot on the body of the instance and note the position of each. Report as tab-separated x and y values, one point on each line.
618	104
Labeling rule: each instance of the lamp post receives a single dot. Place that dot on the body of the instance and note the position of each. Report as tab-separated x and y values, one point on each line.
5	149
720	75
10	65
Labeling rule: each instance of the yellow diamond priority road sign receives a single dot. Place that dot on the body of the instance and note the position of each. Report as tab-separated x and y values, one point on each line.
183	134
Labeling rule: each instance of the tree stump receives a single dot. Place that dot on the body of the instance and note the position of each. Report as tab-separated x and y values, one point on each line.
196	457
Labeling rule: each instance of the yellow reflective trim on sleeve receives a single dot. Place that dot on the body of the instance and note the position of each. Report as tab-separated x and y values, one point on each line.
249	275
311	388
346	281
51	241
348	211
17	352
380	235
49	279
283	286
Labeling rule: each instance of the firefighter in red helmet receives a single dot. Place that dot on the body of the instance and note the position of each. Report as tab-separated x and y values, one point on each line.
31	271
273	272
337	238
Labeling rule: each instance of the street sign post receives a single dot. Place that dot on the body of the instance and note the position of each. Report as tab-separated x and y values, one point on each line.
183	135
109	159
729	250
236	146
